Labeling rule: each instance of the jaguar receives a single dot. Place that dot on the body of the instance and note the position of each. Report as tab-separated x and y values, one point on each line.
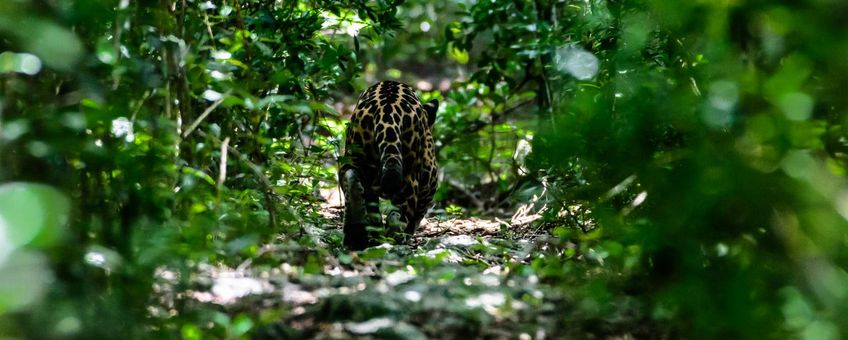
389	153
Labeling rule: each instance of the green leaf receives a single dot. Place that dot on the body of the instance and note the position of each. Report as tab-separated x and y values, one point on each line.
31	212
198	174
106	51
241	325
24	280
273	100
373	253
190	331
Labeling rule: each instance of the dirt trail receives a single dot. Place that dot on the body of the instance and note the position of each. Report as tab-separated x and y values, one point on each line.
457	279
438	224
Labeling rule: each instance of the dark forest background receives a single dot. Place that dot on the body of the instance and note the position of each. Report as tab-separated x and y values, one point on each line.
657	169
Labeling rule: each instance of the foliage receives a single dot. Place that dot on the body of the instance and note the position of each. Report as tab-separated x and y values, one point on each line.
684	164
710	143
180	131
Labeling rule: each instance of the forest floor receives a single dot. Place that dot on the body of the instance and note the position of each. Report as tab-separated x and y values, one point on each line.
460	277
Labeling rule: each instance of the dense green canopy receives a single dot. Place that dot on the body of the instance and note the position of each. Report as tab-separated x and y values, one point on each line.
609	168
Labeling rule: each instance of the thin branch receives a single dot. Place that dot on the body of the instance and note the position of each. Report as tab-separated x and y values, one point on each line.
479	124
222	167
209	30
116	45
240	25
257	170
205	113
140	105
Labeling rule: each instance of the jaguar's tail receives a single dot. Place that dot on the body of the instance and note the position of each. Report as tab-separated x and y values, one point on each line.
391	159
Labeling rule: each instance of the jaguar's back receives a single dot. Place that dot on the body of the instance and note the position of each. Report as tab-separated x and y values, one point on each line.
389	153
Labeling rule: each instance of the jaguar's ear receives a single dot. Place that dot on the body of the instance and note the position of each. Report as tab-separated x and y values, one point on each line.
431	108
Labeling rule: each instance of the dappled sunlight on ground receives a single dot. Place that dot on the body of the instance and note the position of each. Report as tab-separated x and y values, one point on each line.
223	286
436	225
458	276
455	276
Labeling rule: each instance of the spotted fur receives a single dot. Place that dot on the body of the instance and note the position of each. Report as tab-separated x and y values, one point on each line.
389	153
